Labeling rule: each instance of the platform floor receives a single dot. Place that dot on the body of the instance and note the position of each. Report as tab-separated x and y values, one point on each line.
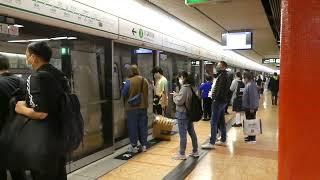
237	161
243	161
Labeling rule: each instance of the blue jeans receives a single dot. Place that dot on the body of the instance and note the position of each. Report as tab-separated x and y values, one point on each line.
138	126
217	118
185	125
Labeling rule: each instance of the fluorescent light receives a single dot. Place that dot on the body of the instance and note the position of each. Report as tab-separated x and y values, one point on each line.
36	40
18	41
72	38
18	25
59	38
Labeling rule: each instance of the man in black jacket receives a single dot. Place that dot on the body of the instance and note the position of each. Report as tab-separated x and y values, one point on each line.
274	88
8	85
220	99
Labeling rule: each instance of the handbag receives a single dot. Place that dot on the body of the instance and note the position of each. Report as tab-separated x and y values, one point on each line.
27	143
136	100
252	127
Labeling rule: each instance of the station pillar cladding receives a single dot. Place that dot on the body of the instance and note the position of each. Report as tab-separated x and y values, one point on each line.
299	124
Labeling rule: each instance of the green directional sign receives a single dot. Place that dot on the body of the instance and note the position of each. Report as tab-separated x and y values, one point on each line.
191	2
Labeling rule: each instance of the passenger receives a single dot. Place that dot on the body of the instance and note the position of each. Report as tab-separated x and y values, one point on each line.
9	84
160	102
260	84
207	101
220	100
182	101
274	88
44	92
229	96
250	101
136	87
237	87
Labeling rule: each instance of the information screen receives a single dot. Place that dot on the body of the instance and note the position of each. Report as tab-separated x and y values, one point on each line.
237	40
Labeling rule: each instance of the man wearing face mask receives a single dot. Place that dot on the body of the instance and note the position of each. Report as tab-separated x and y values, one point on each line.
219	102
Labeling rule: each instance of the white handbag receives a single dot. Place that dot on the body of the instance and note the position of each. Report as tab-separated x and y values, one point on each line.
252	127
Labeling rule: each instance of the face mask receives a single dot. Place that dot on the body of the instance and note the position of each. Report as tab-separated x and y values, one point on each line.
181	81
29	63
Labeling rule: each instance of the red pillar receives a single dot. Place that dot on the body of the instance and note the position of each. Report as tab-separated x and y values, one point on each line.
299	128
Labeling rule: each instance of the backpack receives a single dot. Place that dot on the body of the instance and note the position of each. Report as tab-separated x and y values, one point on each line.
240	89
72	121
195	112
70	117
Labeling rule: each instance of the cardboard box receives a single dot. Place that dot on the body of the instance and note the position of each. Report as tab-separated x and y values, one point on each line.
162	128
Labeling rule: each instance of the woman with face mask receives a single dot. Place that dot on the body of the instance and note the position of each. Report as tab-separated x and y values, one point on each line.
44	89
182	101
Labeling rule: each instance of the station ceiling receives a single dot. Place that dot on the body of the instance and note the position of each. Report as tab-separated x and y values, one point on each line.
215	18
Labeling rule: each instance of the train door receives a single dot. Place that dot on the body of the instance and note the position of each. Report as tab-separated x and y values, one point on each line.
145	64
121	59
83	59
125	55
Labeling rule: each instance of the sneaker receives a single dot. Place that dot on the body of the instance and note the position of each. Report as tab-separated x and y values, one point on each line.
144	148
251	141
207	146
133	149
194	154
220	143
179	157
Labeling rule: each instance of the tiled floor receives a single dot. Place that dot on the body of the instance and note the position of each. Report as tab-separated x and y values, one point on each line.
157	162
241	161
236	162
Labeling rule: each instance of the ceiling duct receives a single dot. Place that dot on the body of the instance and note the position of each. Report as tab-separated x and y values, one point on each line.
273	12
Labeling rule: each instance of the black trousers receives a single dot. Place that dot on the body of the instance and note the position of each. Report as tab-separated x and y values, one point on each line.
157	109
3	174
55	174
207	103
251	115
274	97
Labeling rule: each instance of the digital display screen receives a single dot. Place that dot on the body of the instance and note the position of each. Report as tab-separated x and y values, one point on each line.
143	51
237	40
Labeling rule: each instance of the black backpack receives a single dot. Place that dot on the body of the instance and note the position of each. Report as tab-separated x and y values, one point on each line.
71	120
70	117
240	89
194	111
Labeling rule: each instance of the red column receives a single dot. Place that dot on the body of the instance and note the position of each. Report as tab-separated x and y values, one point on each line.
299	129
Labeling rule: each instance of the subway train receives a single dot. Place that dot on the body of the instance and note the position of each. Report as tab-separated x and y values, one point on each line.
95	62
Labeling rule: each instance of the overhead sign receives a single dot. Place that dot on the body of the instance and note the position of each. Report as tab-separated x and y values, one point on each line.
9	29
271	61
191	2
69	11
135	31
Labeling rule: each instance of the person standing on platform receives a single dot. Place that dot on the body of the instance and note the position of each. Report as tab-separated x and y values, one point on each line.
160	101
44	158
207	101
274	88
250	101
183	103
237	87
9	85
135	92
220	100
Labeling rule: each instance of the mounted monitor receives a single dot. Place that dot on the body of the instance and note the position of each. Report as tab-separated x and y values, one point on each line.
237	40
143	51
